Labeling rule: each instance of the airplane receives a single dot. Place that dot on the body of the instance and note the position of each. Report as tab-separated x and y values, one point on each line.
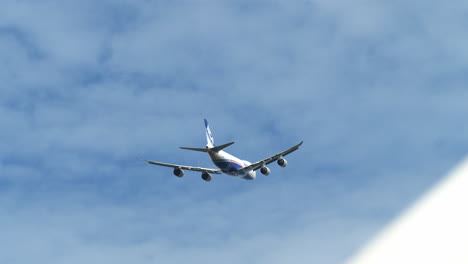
227	163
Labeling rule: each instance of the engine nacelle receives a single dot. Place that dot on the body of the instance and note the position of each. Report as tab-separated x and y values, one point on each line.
206	176
178	172
282	162
265	171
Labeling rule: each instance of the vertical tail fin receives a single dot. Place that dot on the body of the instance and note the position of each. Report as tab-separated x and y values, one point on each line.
210	142
209	136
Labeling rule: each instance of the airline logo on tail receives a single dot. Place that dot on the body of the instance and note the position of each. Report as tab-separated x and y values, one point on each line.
209	136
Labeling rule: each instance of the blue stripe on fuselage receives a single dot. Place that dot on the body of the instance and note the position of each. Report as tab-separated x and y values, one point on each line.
228	166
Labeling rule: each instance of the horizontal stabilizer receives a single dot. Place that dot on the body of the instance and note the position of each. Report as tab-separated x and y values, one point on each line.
196	149
220	147
217	148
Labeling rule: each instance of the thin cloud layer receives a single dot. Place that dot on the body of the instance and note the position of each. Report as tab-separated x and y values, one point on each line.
376	91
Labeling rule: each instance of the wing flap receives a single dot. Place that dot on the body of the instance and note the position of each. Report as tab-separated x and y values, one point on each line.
191	168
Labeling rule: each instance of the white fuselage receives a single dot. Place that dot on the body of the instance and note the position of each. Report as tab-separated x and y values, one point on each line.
231	165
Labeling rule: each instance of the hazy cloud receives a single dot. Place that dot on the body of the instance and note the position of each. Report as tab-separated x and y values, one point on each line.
375	89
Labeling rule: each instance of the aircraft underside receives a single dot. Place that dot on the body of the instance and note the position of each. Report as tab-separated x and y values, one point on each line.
227	163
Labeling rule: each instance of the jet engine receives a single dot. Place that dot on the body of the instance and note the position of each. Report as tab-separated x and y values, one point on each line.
265	171
178	172
206	176
282	162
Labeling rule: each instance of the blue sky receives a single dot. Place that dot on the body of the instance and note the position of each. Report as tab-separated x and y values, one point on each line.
376	89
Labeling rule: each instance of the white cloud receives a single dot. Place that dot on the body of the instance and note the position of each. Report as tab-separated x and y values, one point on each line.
370	88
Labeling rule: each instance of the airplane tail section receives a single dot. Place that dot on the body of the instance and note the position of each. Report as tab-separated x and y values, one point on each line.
220	147
217	148
196	149
209	136
210	142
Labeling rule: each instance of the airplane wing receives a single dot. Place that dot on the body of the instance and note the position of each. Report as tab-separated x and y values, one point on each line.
257	165
183	167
